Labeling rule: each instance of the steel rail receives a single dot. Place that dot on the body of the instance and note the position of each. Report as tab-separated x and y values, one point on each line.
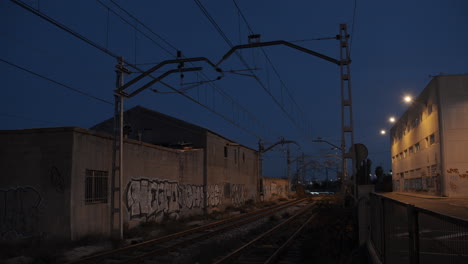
211	233
233	255
100	256
288	242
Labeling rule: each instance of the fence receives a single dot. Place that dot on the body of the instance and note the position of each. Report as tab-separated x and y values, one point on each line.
403	233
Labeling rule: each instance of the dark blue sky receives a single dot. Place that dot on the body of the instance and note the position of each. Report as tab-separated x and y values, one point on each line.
396	45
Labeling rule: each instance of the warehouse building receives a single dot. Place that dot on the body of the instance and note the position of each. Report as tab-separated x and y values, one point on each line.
429	143
56	181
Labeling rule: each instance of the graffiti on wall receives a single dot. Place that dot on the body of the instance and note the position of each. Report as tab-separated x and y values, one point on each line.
456	177
455	171
238	194
157	198
274	190
214	195
19	212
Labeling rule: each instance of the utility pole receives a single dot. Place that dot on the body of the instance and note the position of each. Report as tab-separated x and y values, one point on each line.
303	171
261	148
288	161
117	158
347	130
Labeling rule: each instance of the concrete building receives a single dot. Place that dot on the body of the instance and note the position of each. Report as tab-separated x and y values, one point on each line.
56	181
225	162
429	143
274	188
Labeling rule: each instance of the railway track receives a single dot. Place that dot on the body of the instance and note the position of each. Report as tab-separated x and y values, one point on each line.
272	244
149	250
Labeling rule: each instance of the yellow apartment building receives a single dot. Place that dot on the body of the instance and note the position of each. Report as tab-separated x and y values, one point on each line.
429	143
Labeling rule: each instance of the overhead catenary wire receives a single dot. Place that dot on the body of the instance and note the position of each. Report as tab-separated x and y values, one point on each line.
110	53
135	27
206	80
226	39
267	57
56	82
143	24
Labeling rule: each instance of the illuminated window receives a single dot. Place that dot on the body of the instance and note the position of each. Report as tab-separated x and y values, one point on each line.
405	153
96	186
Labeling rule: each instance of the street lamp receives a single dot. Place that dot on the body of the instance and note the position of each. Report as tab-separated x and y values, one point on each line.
383	132
408	99
392	119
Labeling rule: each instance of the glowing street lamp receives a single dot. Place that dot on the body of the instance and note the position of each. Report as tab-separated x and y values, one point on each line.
392	119
383	132
408	99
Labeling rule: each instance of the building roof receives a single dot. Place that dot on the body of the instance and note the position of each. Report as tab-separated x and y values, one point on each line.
52	130
172	120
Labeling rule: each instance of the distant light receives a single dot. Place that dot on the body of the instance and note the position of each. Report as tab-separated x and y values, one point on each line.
392	119
408	99
383	132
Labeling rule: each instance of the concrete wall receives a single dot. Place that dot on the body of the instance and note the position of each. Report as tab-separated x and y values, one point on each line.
274	188
158	183
43	184
453	92
35	167
232	171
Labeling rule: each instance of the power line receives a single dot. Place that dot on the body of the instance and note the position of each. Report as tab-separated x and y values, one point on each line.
136	28
214	86
268	58
63	27
226	39
212	111
141	23
108	52
56	82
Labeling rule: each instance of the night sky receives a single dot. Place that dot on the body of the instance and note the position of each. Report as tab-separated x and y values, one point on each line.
395	47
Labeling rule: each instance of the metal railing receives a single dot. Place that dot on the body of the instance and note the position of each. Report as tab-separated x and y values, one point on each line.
403	233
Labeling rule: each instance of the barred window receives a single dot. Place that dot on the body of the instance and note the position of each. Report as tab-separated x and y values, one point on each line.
96	186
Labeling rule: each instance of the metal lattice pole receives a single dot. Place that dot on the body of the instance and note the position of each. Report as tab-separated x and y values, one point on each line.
347	129
117	158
